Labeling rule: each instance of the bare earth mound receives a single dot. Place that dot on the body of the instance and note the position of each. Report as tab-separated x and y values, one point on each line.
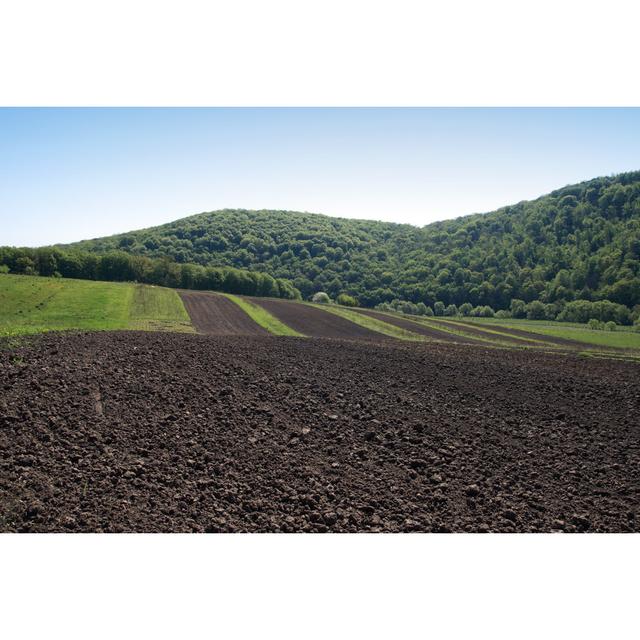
167	432
316	323
216	315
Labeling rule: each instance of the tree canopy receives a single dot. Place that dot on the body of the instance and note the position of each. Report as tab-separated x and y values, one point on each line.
119	266
581	242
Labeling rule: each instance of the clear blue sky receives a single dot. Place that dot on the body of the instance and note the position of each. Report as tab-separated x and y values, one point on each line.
70	174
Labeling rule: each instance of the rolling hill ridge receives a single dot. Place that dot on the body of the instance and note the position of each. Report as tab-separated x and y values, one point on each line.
579	243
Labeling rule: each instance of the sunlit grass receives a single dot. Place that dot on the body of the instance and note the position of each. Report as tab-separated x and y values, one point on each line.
33	304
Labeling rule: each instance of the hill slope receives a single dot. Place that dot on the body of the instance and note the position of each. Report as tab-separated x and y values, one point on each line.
30	304
579	242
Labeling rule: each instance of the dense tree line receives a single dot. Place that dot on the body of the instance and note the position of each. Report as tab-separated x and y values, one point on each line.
581	242
583	311
120	266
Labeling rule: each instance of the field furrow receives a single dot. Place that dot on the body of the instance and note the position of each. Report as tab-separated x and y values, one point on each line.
315	322
215	314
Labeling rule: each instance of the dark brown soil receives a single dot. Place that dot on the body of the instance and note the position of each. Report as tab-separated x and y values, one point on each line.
316	323
417	327
216	315
167	432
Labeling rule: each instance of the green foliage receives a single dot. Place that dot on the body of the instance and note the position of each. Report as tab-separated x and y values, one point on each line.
581	242
536	310
610	326
604	310
483	312
408	308
465	309
503	314
118	266
451	310
595	324
321	298
346	300
518	308
438	308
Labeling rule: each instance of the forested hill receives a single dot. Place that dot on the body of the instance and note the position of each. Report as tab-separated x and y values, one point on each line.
579	242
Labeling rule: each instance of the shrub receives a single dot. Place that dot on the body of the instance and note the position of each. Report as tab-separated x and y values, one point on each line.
438	308
4	268
605	310
321	298
536	310
428	312
502	314
422	308
465	309
594	324
518	308
451	310
610	326
409	308
346	300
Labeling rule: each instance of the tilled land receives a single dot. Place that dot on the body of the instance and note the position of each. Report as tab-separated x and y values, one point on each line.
165	432
315	322
216	315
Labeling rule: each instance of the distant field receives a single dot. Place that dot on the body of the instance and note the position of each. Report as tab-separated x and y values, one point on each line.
158	309
372	323
32	304
622	338
263	317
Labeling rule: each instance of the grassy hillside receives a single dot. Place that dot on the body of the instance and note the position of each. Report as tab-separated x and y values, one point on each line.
579	242
30	304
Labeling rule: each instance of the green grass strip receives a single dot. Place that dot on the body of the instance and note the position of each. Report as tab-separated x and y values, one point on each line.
158	309
264	318
621	338
443	329
495	331
372	324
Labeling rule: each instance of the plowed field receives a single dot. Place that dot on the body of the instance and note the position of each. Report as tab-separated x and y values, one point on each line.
139	431
316	323
417	327
216	315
